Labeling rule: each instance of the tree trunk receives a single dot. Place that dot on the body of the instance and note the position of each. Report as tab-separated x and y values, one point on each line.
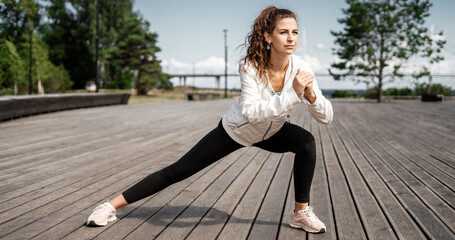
381	67
40	85
429	84
141	89
379	90
30	64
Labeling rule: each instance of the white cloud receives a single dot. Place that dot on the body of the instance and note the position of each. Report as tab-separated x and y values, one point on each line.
175	66
209	65
313	62
320	46
444	67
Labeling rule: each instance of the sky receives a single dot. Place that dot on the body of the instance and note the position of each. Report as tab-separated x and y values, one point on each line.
191	38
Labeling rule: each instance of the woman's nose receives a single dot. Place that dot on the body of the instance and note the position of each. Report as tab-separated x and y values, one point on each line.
290	38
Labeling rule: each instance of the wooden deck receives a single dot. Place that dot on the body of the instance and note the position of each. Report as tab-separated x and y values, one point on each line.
384	171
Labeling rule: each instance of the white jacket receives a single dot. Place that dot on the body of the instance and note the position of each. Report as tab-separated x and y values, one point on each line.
258	114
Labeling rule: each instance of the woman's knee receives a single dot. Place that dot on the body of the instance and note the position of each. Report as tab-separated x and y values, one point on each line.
306	142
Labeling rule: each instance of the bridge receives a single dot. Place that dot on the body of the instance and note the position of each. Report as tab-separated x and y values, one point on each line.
217	77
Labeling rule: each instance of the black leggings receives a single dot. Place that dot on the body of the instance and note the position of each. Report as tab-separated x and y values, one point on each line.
217	144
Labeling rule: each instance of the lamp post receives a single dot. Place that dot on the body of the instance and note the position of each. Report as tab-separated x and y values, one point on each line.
97	38
225	63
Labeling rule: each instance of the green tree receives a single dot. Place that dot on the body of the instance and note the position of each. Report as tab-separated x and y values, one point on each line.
136	51
425	88
342	94
53	78
17	18
20	19
436	43
398	92
378	38
70	32
12	74
114	15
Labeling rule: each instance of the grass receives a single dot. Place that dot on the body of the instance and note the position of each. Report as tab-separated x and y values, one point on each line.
160	95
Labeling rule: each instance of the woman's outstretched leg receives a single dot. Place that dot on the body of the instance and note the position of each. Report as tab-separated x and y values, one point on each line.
212	147
118	202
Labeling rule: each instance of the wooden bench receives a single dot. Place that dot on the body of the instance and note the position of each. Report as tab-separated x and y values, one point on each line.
19	106
432	97
202	96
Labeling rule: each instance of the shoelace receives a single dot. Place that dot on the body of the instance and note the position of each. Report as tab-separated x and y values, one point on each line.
311	214
102	209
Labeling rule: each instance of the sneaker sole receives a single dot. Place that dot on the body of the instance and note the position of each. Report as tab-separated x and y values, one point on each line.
306	229
94	224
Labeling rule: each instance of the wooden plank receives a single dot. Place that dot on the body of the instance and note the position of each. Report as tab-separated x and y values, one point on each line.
321	199
347	221
285	231
34	216
373	220
71	188
94	121
156	224
65	207
427	221
92	163
267	221
418	135
213	222
186	221
102	161
135	217
437	180
16	207
422	131
86	181
72	228
413	177
438	169
239	223
34	161
402	224
48	172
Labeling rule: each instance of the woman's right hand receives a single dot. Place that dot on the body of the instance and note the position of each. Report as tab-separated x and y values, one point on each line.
303	80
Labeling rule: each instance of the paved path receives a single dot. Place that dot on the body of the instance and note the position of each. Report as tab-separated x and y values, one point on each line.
384	171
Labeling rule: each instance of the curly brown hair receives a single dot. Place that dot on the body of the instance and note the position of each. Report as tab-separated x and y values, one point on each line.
257	53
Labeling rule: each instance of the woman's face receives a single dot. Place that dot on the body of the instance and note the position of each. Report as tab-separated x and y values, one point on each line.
284	37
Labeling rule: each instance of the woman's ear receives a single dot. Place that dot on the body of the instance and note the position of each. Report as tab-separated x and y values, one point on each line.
268	37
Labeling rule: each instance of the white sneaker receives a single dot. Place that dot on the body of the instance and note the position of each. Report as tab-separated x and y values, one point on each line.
307	220
102	214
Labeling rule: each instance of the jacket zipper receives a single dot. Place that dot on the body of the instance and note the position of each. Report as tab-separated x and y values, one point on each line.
267	130
241	125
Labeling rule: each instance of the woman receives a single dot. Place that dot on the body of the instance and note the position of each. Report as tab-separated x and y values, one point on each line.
273	81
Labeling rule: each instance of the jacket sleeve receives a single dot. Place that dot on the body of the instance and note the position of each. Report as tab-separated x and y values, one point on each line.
256	109
321	109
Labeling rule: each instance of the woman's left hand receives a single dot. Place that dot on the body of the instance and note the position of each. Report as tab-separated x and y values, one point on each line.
308	93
